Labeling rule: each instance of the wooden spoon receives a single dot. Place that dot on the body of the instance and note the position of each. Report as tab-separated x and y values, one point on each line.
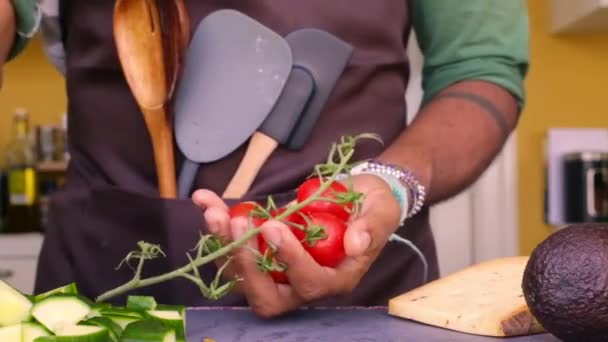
138	37
176	34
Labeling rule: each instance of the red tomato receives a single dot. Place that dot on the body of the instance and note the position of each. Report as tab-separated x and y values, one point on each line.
281	277
244	209
330	250
310	186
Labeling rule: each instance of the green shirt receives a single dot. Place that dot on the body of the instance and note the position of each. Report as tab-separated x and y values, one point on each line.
472	39
460	40
28	20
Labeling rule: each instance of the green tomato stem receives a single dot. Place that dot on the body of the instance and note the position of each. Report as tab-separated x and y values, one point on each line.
324	186
198	262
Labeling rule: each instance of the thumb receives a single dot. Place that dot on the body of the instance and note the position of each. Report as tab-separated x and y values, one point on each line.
358	238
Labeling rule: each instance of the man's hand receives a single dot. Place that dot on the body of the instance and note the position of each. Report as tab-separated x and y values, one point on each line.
7	32
365	237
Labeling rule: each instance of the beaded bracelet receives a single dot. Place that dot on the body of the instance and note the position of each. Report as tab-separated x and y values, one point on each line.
405	186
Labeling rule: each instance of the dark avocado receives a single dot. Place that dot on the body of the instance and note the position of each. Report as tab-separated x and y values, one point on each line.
565	283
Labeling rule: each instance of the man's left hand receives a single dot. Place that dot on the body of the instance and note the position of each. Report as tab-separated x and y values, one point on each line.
366	235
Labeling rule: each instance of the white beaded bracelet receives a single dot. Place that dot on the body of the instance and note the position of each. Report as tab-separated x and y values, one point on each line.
405	186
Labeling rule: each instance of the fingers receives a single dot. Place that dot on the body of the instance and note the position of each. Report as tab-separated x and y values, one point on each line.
216	213
309	280
218	224
208	199
266	298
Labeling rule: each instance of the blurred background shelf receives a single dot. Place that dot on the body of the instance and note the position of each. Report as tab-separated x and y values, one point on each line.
52	166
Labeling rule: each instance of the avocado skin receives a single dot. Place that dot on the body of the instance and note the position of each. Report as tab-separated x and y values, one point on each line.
565	283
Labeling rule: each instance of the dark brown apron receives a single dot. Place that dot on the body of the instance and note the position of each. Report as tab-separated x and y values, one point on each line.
111	202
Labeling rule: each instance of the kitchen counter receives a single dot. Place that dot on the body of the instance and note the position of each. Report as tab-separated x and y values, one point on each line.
333	325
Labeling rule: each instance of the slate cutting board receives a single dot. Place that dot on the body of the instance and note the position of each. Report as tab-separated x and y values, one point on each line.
328	325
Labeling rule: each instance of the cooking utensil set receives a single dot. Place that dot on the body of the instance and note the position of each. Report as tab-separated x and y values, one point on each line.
238	81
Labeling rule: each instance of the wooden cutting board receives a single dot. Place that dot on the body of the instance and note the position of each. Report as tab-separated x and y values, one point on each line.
484	299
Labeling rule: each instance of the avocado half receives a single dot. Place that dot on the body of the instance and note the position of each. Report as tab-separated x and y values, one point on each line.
565	283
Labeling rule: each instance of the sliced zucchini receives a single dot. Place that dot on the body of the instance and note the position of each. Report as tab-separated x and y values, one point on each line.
114	329
60	310
141	303
172	319
165	315
102	306
97	308
31	331
148	331
11	333
67	289
179	308
14	306
119	311
78	333
122	321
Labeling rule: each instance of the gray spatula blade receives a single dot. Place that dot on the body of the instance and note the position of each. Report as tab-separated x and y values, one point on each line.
325	57
295	97
234	72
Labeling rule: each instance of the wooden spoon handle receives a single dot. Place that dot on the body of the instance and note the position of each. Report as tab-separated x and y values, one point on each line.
184	24
162	144
259	150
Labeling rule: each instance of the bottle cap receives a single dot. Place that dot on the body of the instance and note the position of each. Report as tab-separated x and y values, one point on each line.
21	112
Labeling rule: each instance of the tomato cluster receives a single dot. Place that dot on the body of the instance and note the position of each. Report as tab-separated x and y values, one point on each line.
319	225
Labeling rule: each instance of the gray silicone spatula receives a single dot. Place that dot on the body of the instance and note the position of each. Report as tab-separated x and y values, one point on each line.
275	130
234	72
324	57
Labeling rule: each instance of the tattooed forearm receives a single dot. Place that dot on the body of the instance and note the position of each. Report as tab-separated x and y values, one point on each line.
455	136
498	116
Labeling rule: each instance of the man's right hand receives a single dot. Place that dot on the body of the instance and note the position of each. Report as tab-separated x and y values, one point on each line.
7	32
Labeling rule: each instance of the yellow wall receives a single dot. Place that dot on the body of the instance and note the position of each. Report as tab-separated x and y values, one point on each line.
30	81
566	88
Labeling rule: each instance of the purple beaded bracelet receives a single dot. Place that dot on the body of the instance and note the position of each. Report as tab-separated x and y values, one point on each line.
416	191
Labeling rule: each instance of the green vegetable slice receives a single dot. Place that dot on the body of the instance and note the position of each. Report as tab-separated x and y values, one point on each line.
67	289
141	303
78	333
114	329
179	308
119	311
31	331
11	333
24	332
148	331
15	307
122	321
97	308
173	319
59	310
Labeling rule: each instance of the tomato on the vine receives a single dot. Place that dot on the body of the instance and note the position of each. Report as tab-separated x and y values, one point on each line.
310	186
295	218
244	209
328	251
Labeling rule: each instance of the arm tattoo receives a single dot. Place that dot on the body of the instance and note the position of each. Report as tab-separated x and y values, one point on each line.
486	104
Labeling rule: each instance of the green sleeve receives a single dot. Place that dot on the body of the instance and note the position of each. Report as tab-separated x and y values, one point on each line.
473	39
28	20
